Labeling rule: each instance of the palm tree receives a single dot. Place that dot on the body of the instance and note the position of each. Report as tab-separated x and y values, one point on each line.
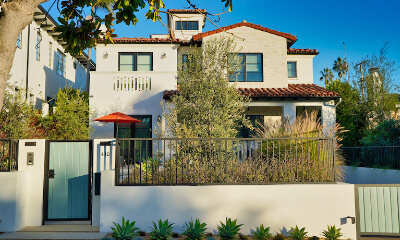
327	75
340	67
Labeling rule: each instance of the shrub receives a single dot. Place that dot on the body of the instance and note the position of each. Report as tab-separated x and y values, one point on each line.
278	236
195	230
262	233
125	231
229	230
333	233
297	233
161	232
243	237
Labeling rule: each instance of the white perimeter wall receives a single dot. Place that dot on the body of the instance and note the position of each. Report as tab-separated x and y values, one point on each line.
363	175
21	192
281	207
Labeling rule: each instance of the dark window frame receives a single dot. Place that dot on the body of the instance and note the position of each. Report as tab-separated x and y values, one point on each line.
135	54
62	56
38	43
245	68
19	41
184	26
295	68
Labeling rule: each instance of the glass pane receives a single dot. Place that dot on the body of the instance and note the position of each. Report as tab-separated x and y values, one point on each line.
126	67
184	25
291	69
253	58
144	67
126	59
253	67
240	77
144	59
292	73
254	77
178	25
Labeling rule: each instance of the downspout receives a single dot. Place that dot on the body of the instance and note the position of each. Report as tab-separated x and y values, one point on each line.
27	62
340	100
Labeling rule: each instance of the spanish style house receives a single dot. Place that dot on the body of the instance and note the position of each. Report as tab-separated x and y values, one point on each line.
135	75
40	63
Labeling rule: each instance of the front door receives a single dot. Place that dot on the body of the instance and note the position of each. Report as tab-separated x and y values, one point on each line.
67	181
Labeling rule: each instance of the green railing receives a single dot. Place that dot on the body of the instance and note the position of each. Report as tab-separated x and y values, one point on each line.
196	161
8	155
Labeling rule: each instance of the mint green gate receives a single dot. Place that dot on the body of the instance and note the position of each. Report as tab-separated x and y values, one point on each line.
67	181
378	209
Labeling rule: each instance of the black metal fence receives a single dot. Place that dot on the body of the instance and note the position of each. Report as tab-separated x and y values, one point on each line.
8	155
376	156
177	161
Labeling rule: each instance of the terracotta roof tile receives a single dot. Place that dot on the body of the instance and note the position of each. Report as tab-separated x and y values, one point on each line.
292	91
302	51
186	10
145	40
247	24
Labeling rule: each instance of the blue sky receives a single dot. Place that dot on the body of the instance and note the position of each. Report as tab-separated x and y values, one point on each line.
363	26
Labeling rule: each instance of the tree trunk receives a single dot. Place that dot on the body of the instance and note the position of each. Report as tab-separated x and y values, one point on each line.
14	17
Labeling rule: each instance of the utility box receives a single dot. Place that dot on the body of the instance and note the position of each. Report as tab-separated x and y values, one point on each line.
30	158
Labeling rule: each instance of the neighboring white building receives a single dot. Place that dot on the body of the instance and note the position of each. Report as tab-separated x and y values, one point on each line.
135	75
40	63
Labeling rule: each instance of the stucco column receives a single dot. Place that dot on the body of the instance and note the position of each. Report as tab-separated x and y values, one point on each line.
328	114
289	110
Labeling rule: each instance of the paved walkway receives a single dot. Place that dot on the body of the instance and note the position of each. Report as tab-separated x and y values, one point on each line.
56	232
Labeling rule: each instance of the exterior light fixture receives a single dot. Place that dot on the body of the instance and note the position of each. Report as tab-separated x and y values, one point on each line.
105	55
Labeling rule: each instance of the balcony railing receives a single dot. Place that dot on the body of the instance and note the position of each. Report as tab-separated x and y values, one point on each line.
196	161
8	155
128	83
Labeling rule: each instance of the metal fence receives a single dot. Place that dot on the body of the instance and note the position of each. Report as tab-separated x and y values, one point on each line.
8	155
196	161
376	156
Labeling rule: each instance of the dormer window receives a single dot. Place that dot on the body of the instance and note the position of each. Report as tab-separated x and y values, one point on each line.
186	25
292	69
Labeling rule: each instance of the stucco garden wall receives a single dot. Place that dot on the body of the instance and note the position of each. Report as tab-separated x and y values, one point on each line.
363	175
282	206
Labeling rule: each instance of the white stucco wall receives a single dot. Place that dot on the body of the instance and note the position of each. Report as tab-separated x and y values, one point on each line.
185	34
304	65
363	175
21	194
313	206
43	79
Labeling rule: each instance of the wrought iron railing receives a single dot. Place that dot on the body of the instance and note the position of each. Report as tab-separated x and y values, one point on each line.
8	155
196	161
375	156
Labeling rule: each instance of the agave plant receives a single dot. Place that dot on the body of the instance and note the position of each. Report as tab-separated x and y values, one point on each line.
126	230
262	233
195	230
297	233
229	230
161	232
333	233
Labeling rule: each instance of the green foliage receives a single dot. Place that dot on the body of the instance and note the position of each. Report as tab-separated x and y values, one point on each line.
70	120
262	233
18	116
297	233
195	230
386	133
333	233
340	67
207	104
125	231
81	32
161	232
229	230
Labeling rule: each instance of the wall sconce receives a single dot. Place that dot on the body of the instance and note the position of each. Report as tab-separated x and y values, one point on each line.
105	55
159	118
163	55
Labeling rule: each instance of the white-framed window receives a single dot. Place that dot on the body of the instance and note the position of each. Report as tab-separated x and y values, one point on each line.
50	52
38	41
19	41
60	63
292	69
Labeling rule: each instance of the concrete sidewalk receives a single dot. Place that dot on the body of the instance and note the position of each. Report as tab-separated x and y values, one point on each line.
56	232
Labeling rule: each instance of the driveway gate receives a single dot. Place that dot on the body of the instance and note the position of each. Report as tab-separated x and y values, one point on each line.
378	207
67	181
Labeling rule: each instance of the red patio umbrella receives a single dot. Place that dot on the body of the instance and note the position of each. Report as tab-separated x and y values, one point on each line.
117	117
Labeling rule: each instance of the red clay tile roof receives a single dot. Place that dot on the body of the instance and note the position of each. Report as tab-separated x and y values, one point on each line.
247	24
186	10
292	91
302	51
145	40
